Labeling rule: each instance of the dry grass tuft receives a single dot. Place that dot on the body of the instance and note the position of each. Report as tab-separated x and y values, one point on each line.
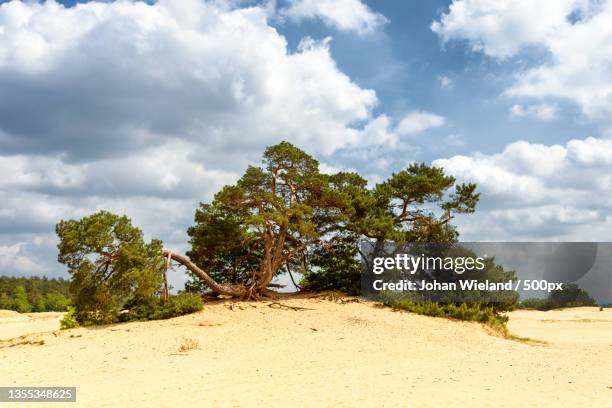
188	344
526	340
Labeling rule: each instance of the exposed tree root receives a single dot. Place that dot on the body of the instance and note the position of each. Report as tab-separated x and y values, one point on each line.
277	305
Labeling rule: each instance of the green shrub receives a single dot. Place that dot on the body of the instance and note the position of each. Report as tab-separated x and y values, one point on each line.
69	321
472	312
346	281
535	304
156	309
105	314
570	296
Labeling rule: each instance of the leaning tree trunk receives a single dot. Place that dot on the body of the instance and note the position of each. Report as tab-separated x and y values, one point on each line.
218	288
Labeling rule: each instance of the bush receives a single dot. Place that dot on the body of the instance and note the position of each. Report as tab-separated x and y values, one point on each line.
69	321
106	314
472	312
570	296
535	304
346	281
156	309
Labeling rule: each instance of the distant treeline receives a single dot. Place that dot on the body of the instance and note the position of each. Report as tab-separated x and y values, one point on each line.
33	294
570	296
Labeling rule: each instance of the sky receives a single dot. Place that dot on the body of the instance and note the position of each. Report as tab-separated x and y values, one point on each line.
148	108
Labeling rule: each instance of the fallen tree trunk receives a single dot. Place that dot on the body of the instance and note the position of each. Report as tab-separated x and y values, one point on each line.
234	290
219	288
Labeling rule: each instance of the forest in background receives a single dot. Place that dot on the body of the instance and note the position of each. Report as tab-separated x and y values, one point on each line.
34	294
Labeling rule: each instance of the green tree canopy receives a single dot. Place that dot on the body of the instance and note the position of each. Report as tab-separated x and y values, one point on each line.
267	219
413	205
110	263
275	217
286	214
222	243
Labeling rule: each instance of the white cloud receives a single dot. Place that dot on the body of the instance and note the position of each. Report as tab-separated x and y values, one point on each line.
326	168
166	170
104	78
501	28
591	151
540	111
576	34
344	15
540	191
14	260
418	122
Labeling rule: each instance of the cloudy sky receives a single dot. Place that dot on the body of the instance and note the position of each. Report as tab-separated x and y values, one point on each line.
148	108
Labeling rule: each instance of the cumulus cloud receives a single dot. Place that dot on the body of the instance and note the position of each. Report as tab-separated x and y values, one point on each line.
501	28
102	79
540	111
344	15
534	191
418	122
14	261
159	171
591	151
576	34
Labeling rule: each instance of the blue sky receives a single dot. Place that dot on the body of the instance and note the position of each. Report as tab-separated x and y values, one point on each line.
148	108
404	61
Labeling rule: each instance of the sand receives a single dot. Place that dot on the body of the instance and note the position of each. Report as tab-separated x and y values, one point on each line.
330	355
13	324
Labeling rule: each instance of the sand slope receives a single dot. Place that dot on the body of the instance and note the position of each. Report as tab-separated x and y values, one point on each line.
330	355
13	324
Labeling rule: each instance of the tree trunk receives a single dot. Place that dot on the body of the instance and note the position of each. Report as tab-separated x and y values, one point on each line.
166	292
218	288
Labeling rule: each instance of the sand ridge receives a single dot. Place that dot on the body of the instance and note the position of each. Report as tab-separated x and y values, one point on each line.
325	353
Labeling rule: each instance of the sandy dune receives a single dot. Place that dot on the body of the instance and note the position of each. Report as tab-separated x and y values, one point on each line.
329	355
13	324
